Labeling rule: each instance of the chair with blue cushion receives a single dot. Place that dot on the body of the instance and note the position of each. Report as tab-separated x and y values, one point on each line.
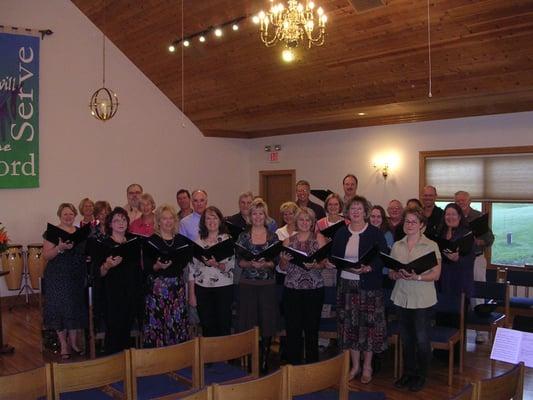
393	328
270	387
521	305
316	377
467	393
446	337
217	351
101	378
490	321
157	372
509	385
28	385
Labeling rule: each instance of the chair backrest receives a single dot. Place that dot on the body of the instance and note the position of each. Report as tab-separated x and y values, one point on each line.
33	384
520	278
230	347
506	386
490	290
203	394
92	374
452	304
310	378
270	387
467	393
161	360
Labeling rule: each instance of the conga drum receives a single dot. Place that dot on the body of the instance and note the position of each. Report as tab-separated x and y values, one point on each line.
12	261
36	263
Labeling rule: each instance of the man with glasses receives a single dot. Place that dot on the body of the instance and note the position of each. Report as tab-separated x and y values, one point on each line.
133	192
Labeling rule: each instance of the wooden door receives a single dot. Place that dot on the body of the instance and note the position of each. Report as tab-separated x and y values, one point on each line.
277	187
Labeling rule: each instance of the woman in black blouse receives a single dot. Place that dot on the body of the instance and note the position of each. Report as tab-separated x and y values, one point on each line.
121	278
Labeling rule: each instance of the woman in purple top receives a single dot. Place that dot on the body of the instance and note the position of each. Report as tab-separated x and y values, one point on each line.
457	273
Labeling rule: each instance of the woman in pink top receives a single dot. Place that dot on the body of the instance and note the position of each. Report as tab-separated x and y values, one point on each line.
144	225
333	206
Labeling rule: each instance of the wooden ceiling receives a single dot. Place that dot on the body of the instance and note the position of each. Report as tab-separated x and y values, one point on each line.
374	63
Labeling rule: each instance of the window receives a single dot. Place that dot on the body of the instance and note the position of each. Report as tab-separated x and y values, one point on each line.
499	182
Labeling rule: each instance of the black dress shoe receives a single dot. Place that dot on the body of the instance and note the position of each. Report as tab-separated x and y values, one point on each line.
403	382
417	384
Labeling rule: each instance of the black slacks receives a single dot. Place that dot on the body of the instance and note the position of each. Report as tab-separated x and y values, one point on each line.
214	309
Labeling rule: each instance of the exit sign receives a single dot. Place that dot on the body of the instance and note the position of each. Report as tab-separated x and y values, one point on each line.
273	157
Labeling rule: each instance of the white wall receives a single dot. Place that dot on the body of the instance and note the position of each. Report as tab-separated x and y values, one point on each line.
80	156
324	158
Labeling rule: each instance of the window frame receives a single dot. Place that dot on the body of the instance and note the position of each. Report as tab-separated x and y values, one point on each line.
486	206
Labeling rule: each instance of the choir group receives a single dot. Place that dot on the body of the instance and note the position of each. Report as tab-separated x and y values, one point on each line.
154	267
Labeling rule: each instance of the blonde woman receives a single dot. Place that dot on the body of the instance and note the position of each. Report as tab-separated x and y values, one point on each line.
144	225
165	317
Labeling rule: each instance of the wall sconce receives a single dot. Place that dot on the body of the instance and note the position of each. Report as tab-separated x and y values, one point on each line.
383	168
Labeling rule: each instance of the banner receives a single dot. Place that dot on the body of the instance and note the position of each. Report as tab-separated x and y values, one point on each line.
19	111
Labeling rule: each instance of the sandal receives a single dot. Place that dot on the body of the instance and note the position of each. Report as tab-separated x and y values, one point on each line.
366	378
354	374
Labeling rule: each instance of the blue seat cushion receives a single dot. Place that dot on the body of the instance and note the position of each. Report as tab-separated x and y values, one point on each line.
441	334
521	302
149	387
221	372
476	319
331	394
328	325
89	394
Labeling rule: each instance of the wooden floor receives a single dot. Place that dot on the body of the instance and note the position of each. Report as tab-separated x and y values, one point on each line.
22	327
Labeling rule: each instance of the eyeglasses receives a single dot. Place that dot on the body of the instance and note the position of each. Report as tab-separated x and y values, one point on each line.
413	222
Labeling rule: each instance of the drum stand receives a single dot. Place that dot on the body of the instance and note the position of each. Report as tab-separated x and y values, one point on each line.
25	289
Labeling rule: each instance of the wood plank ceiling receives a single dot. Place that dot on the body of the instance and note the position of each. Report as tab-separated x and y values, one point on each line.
374	63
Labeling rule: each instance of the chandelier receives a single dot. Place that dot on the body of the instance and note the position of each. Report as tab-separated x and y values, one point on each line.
104	102
292	24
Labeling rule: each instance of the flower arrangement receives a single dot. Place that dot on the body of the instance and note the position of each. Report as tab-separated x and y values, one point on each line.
3	239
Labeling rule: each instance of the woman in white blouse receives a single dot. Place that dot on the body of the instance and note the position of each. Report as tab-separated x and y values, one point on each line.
211	282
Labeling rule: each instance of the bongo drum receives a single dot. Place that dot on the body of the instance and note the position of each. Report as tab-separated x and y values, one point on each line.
12	261
36	263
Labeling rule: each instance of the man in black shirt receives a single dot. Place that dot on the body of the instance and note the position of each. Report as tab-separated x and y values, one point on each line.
432	212
302	199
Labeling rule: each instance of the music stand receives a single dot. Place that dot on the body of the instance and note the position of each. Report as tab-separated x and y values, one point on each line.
4	347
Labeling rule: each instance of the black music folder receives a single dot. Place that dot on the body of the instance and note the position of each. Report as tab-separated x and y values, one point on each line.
321	194
463	245
300	258
330	231
126	249
365	259
219	251
54	233
480	225
233	229
179	256
418	266
269	254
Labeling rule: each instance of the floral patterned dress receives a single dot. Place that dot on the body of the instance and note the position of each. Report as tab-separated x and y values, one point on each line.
166	313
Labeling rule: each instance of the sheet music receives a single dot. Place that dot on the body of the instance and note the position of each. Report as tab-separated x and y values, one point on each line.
527	349
506	345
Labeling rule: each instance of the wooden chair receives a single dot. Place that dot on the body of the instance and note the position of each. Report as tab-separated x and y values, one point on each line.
504	387
310	378
444	337
96	374
33	384
469	392
270	387
158	369
490	291
225	348
202	394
